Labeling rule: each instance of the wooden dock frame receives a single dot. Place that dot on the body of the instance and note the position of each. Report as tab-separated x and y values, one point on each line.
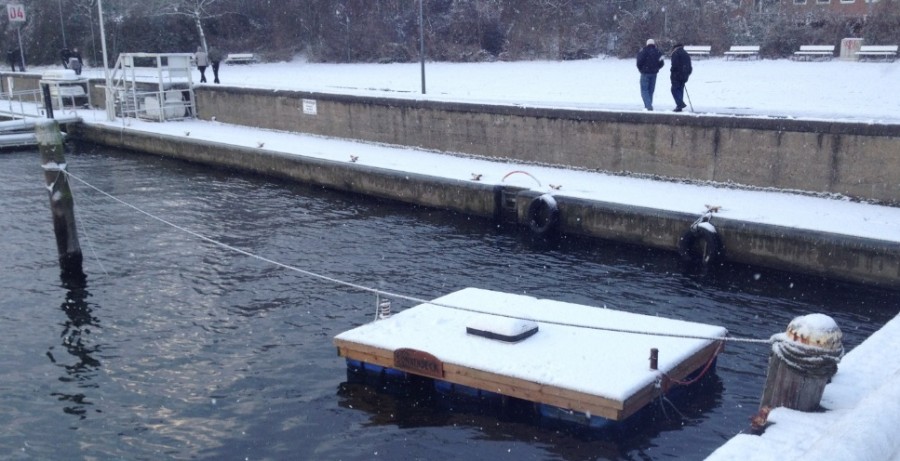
532	391
602	363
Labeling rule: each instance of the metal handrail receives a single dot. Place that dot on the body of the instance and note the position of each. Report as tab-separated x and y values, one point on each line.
126	75
29	102
134	109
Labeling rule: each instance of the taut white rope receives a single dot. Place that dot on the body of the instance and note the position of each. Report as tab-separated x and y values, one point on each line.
378	292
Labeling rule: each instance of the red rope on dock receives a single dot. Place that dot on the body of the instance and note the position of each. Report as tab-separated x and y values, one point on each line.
668	381
522	172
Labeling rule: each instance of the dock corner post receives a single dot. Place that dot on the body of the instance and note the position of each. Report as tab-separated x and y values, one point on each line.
804	359
62	203
48	99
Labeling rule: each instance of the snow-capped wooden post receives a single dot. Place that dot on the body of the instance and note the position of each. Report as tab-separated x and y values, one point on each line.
62	204
48	99
803	360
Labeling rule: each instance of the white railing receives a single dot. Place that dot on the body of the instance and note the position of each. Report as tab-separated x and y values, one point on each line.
153	105
25	103
153	86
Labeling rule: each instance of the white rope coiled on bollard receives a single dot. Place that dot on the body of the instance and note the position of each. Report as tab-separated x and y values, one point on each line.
809	360
804	358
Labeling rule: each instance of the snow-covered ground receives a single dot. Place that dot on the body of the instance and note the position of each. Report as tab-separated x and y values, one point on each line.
830	90
862	401
814	90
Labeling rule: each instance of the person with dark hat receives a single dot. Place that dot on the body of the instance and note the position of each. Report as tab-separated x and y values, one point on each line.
64	56
681	70
649	62
14	59
215	58
11	58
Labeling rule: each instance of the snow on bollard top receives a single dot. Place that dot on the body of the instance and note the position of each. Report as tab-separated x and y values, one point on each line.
817	330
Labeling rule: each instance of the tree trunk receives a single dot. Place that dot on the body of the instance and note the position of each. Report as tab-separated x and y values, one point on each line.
200	31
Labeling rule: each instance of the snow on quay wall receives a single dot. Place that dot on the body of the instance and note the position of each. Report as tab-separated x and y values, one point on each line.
817	156
845	257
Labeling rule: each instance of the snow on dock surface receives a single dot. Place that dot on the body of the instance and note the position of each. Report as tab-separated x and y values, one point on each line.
570	361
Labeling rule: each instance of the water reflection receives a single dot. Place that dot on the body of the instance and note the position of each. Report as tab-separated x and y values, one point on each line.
76	341
413	403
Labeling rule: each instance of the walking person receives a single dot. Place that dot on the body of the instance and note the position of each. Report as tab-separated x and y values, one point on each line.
64	56
202	60
215	58
681	70
649	62
11	57
75	61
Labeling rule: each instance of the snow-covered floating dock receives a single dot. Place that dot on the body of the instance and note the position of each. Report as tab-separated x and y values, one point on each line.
581	359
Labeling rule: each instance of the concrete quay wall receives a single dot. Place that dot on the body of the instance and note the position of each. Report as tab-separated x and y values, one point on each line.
853	259
844	257
854	159
859	160
464	196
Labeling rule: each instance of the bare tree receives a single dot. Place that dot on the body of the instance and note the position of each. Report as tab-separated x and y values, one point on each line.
388	30
196	10
86	9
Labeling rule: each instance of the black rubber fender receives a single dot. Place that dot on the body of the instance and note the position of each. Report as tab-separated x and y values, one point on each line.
543	215
711	250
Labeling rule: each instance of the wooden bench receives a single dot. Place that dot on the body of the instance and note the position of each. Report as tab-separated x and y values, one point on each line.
742	51
808	52
886	52
698	50
241	58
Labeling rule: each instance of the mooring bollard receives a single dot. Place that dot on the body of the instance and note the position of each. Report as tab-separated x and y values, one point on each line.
803	360
62	204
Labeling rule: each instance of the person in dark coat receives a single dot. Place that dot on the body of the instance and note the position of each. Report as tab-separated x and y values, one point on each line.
681	70
14	58
215	58
64	55
649	62
11	59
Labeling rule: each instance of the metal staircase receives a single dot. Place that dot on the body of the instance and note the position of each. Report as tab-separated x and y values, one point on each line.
153	86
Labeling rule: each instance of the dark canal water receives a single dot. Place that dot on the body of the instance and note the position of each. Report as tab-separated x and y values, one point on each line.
179	349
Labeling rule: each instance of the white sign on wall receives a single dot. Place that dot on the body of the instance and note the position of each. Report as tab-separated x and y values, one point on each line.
15	13
309	107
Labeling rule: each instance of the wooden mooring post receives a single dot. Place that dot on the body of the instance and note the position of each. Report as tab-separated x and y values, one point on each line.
48	99
804	358
62	204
